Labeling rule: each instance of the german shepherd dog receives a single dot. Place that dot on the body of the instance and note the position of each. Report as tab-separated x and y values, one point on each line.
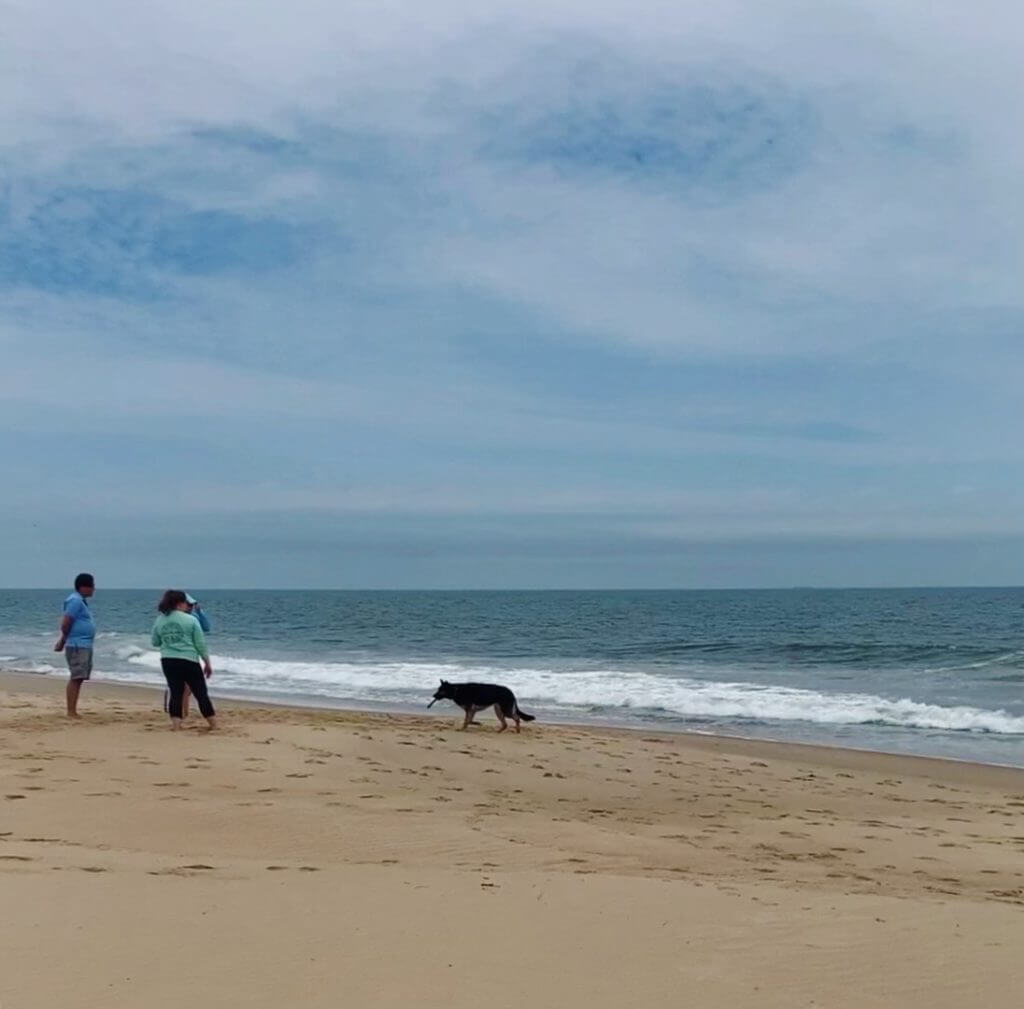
474	697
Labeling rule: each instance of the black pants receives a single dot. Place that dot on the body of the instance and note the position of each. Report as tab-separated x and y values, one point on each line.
180	673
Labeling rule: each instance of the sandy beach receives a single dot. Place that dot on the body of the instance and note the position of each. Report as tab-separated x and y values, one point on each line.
322	858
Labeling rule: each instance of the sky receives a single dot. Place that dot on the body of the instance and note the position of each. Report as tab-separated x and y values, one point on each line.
560	294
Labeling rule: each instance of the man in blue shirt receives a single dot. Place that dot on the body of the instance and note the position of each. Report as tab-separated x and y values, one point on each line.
77	634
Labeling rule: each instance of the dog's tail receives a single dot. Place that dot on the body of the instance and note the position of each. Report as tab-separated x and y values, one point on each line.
524	716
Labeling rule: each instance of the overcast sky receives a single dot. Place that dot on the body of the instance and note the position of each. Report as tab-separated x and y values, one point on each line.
394	294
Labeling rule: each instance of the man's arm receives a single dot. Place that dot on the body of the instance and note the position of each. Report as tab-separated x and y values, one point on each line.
72	610
65	629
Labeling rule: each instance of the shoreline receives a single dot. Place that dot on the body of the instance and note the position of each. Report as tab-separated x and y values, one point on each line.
747	745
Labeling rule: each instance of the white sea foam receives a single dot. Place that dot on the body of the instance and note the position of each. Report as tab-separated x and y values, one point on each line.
590	690
38	667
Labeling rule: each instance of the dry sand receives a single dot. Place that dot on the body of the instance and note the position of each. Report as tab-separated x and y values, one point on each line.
327	859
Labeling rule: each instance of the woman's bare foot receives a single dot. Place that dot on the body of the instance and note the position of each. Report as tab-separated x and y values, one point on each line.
211	723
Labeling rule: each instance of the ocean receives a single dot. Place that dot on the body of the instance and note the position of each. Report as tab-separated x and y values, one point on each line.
929	671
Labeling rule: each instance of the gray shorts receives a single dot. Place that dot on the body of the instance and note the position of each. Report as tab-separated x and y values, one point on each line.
79	662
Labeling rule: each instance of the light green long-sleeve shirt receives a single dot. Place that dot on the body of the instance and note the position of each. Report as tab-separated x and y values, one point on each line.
179	636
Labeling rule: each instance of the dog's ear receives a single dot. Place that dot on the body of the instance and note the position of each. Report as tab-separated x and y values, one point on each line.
444	683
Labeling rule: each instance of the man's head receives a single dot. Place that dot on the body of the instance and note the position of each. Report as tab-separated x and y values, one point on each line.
85	585
192	602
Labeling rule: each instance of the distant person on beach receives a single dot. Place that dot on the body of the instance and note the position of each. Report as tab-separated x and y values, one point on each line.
204	621
77	635
182	645
198	612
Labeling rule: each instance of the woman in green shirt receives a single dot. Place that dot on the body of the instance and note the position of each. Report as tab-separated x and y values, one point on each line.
182	645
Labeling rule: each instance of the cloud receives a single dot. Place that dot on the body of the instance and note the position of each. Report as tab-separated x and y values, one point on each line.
655	267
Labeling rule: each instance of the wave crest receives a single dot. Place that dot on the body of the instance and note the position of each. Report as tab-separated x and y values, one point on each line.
603	690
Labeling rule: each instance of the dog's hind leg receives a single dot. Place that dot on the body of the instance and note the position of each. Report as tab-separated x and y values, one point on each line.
501	717
508	710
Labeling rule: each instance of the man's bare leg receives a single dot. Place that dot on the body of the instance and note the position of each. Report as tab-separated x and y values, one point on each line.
74	688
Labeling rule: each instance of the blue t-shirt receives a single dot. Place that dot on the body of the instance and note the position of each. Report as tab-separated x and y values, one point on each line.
83	629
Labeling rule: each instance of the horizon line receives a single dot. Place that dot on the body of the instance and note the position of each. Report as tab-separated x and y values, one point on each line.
620	588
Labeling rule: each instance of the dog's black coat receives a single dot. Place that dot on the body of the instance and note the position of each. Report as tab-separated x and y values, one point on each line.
474	697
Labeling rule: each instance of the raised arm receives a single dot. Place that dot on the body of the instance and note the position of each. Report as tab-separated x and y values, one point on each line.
199	640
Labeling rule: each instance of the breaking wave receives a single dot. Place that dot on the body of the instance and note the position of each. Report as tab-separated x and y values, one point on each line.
603	691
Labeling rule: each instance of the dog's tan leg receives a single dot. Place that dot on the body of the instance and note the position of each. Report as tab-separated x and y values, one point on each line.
501	717
468	720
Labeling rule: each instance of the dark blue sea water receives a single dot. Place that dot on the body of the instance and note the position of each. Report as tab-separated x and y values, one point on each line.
930	671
